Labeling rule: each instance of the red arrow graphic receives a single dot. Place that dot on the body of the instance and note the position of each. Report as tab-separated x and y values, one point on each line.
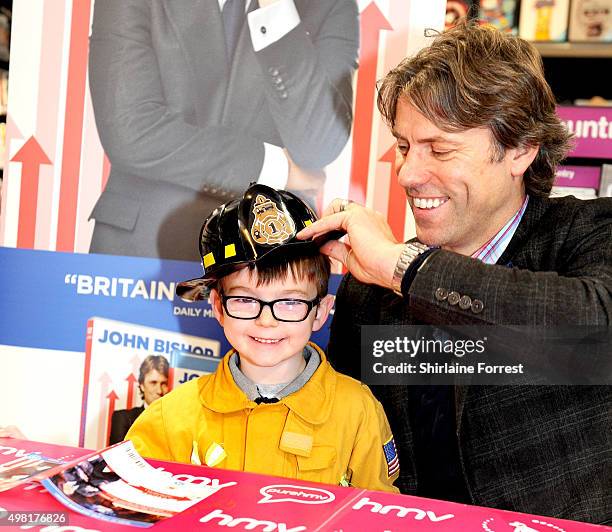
170	378
396	208
73	129
131	379
112	397
31	156
372	21
105	385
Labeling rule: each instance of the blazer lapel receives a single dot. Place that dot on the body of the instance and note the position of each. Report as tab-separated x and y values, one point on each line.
533	213
536	207
245	90
199	30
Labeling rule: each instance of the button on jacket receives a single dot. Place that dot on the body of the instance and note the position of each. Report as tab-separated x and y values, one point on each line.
332	425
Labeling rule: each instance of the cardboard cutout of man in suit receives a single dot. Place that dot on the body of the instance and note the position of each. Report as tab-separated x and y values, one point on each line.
153	384
188	123
478	142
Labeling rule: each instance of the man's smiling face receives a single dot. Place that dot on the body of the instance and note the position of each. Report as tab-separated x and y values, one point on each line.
460	193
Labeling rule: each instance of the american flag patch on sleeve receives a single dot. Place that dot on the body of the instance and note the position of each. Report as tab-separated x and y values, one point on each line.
391	457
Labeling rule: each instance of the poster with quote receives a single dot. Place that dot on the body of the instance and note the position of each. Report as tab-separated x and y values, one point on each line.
57	170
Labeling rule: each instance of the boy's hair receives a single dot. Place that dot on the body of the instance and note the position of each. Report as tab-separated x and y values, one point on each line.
311	267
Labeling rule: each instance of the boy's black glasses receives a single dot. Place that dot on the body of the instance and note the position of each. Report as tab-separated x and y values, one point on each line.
249	308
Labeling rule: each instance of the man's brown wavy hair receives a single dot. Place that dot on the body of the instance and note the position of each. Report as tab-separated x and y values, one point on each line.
476	76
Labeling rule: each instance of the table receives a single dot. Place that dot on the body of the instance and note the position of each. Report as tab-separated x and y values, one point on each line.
247	501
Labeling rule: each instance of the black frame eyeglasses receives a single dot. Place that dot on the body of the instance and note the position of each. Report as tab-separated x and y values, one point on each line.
250	308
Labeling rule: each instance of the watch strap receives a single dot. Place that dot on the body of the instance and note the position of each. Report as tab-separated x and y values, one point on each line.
410	252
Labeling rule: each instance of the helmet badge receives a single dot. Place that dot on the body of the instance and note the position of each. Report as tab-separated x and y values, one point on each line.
270	224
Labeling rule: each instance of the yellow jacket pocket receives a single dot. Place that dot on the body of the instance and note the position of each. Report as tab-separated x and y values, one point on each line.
320	466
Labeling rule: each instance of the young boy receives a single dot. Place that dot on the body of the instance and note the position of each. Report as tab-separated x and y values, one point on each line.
274	405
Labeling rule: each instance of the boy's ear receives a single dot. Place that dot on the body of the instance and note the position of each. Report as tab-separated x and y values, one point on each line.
217	305
323	311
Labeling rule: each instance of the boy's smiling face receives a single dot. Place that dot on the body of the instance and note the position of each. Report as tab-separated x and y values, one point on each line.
270	350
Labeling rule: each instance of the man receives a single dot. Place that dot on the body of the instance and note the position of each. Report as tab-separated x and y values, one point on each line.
196	99
478	141
153	384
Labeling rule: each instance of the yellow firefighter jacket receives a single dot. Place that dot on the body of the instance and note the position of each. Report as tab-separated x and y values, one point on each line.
330	430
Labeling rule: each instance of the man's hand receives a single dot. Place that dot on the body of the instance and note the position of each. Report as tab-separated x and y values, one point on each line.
11	431
372	251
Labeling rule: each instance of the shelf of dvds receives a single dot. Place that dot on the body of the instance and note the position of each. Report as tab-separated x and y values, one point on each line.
587	172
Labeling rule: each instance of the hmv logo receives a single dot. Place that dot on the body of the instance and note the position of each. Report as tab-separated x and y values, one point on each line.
400	511
248	523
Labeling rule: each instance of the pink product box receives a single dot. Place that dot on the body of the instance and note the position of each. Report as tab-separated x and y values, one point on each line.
592	129
578	176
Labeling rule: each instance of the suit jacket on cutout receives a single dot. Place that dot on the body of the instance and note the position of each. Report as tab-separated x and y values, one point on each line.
121	422
536	449
184	129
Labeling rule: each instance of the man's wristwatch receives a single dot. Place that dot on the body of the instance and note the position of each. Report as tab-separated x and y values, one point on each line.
410	252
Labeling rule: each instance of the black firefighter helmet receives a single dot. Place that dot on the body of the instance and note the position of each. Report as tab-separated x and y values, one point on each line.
245	231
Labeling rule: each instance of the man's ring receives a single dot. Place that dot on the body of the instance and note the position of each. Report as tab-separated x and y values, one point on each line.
344	205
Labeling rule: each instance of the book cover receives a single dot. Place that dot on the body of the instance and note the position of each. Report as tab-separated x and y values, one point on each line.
114	352
544	20
187	366
24	461
591	21
456	10
605	187
116	484
571	179
498	13
24	469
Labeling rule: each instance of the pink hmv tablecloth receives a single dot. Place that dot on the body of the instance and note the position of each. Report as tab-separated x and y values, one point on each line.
245	501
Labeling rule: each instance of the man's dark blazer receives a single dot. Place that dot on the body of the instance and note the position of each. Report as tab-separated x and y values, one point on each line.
121	422
184	128
537	449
